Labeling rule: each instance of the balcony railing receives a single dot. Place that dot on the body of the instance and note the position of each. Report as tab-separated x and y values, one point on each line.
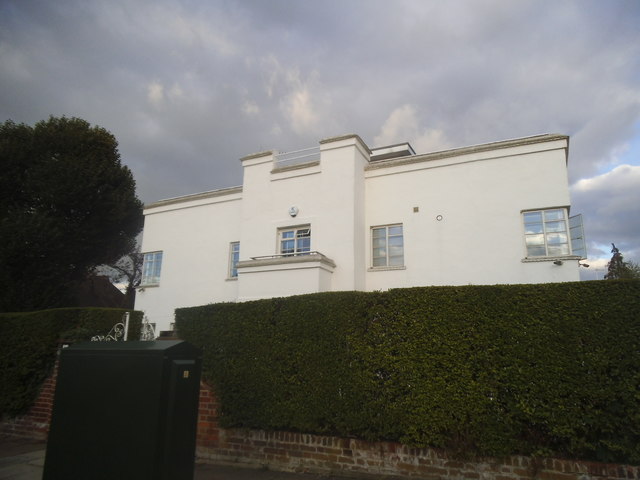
287	258
297	157
281	255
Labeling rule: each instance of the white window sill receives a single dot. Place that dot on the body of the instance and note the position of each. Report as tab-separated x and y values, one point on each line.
385	269
550	259
232	279
148	285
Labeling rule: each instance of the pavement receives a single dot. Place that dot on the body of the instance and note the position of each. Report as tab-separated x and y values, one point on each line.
23	459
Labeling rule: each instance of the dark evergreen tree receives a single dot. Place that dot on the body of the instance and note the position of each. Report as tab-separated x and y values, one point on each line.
618	269
67	204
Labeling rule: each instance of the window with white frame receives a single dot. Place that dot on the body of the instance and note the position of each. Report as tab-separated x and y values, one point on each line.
234	257
576	233
546	233
151	267
294	240
387	246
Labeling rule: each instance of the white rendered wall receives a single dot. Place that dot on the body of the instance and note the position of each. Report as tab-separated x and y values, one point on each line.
480	238
283	279
342	210
329	198
194	238
478	193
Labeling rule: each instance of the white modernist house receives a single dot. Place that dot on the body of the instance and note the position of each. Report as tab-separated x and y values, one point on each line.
342	216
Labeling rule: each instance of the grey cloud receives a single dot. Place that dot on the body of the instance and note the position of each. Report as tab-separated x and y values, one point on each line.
612	201
230	78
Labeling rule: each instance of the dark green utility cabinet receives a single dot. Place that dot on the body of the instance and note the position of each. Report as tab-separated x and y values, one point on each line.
125	410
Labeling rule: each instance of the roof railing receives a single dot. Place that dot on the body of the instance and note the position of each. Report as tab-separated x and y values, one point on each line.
297	157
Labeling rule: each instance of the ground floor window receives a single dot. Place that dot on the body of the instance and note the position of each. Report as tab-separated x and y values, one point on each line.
546	233
234	257
151	267
387	246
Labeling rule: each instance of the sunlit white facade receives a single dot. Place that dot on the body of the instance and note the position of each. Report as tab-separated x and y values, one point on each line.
344	217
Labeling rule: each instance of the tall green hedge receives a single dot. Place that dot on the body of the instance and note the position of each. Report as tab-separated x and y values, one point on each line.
29	341
551	369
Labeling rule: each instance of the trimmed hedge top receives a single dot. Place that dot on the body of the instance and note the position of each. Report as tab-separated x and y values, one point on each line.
479	370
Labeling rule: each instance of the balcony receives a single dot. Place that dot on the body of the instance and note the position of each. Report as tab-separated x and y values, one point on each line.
284	275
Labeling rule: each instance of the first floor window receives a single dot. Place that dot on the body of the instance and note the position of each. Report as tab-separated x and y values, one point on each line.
387	246
295	241
151	267
234	256
546	233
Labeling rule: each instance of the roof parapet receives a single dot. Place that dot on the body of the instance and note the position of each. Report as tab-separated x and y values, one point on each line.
346	137
257	155
194	197
485	147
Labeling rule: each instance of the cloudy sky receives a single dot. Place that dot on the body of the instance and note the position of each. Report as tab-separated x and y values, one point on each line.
188	87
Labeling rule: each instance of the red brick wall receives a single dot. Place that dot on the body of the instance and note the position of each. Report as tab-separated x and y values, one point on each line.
350	457
342	456
208	435
299	452
35	423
